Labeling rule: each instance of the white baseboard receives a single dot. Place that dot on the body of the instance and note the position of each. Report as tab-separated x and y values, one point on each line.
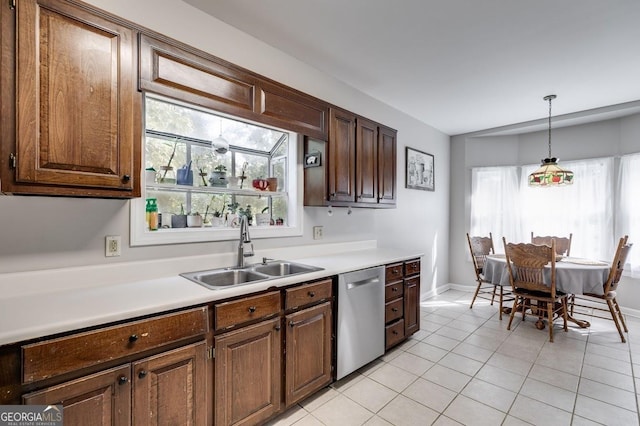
461	287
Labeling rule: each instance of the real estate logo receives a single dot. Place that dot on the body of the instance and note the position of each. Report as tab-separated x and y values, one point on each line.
31	415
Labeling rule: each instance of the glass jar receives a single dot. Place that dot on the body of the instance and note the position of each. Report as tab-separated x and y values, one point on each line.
167	175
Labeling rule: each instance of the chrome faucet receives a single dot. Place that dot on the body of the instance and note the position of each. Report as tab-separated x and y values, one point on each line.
245	238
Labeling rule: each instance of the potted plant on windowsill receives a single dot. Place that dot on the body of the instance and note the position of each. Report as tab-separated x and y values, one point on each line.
219	176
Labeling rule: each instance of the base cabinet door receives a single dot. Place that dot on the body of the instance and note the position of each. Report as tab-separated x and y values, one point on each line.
248	374
99	399
170	388
308	352
411	305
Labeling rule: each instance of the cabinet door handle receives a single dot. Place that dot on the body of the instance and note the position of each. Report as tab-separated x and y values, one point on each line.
293	324
395	271
311	294
133	338
277	327
126	178
252	309
394	309
333	194
394	289
142	374
122	380
394	332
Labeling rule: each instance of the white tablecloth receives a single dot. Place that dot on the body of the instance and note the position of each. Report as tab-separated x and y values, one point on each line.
573	275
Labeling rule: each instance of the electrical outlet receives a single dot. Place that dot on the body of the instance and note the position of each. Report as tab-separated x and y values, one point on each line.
317	232
112	245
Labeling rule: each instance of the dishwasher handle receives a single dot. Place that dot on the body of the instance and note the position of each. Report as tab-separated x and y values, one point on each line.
363	282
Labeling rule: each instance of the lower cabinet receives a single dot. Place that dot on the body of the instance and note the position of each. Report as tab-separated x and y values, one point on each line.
261	369
248	374
164	389
308	352
402	301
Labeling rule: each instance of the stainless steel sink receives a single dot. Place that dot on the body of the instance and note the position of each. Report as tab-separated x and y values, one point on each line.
217	279
283	268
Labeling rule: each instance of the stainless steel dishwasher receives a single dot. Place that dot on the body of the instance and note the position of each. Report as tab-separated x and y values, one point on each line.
360	319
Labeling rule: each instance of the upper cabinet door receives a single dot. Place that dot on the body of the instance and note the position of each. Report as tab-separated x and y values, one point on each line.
77	108
387	165
366	161
341	156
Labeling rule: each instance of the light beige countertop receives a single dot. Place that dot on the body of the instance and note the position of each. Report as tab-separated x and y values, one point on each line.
41	303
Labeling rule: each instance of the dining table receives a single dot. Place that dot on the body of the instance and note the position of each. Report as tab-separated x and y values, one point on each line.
574	275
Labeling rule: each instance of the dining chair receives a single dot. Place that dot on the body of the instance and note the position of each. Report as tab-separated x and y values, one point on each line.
594	302
563	244
526	267
480	248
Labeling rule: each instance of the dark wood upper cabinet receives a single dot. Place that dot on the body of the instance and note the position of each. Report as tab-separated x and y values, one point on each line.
74	128
341	156
358	164
172	69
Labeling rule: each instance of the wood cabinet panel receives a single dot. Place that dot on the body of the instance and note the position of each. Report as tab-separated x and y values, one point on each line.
366	161
248	374
412	305
291	110
307	294
100	399
341	156
308	351
170	388
394	333
168	70
387	165
57	356
393	272
393	310
237	312
393	290
77	110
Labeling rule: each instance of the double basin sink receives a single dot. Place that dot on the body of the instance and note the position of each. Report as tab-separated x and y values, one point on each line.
217	279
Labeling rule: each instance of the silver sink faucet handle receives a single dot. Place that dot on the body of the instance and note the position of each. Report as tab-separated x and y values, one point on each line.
266	259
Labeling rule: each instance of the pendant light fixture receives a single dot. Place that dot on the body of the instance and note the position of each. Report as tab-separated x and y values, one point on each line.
220	144
549	173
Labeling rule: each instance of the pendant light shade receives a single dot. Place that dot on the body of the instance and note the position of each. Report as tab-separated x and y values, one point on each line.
549	173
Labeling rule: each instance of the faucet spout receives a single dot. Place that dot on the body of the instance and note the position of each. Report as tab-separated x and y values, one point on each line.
245	246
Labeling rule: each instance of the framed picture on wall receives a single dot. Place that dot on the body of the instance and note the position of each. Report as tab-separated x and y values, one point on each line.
419	169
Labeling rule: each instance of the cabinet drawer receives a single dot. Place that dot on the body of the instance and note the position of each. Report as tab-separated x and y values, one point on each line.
229	314
412	267
393	272
393	310
307	293
394	333
57	356
393	290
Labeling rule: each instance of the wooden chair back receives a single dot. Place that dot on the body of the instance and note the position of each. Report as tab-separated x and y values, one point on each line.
526	266
480	248
563	244
617	266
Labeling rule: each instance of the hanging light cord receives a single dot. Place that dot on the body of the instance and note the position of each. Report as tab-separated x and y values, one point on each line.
549	98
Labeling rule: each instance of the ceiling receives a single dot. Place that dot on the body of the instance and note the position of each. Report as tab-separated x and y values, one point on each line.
459	65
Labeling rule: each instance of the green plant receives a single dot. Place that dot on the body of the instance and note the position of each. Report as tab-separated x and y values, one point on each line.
246	212
220	168
233	207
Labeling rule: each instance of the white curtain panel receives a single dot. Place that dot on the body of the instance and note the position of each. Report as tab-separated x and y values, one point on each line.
628	210
584	209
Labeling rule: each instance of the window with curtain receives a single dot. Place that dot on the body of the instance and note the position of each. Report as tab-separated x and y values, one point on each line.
628	209
503	203
494	204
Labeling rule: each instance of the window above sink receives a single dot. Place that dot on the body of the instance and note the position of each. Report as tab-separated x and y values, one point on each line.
184	148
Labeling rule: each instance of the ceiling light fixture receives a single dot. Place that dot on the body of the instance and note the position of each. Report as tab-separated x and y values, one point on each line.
220	144
549	173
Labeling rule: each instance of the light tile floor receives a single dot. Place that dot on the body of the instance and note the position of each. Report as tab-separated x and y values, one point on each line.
465	367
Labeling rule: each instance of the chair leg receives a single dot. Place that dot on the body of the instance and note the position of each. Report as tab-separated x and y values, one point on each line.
615	319
550	320
500	307
565	317
619	311
475	294
493	295
513	312
573	302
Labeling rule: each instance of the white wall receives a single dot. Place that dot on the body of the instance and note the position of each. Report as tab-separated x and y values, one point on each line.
46	232
606	138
